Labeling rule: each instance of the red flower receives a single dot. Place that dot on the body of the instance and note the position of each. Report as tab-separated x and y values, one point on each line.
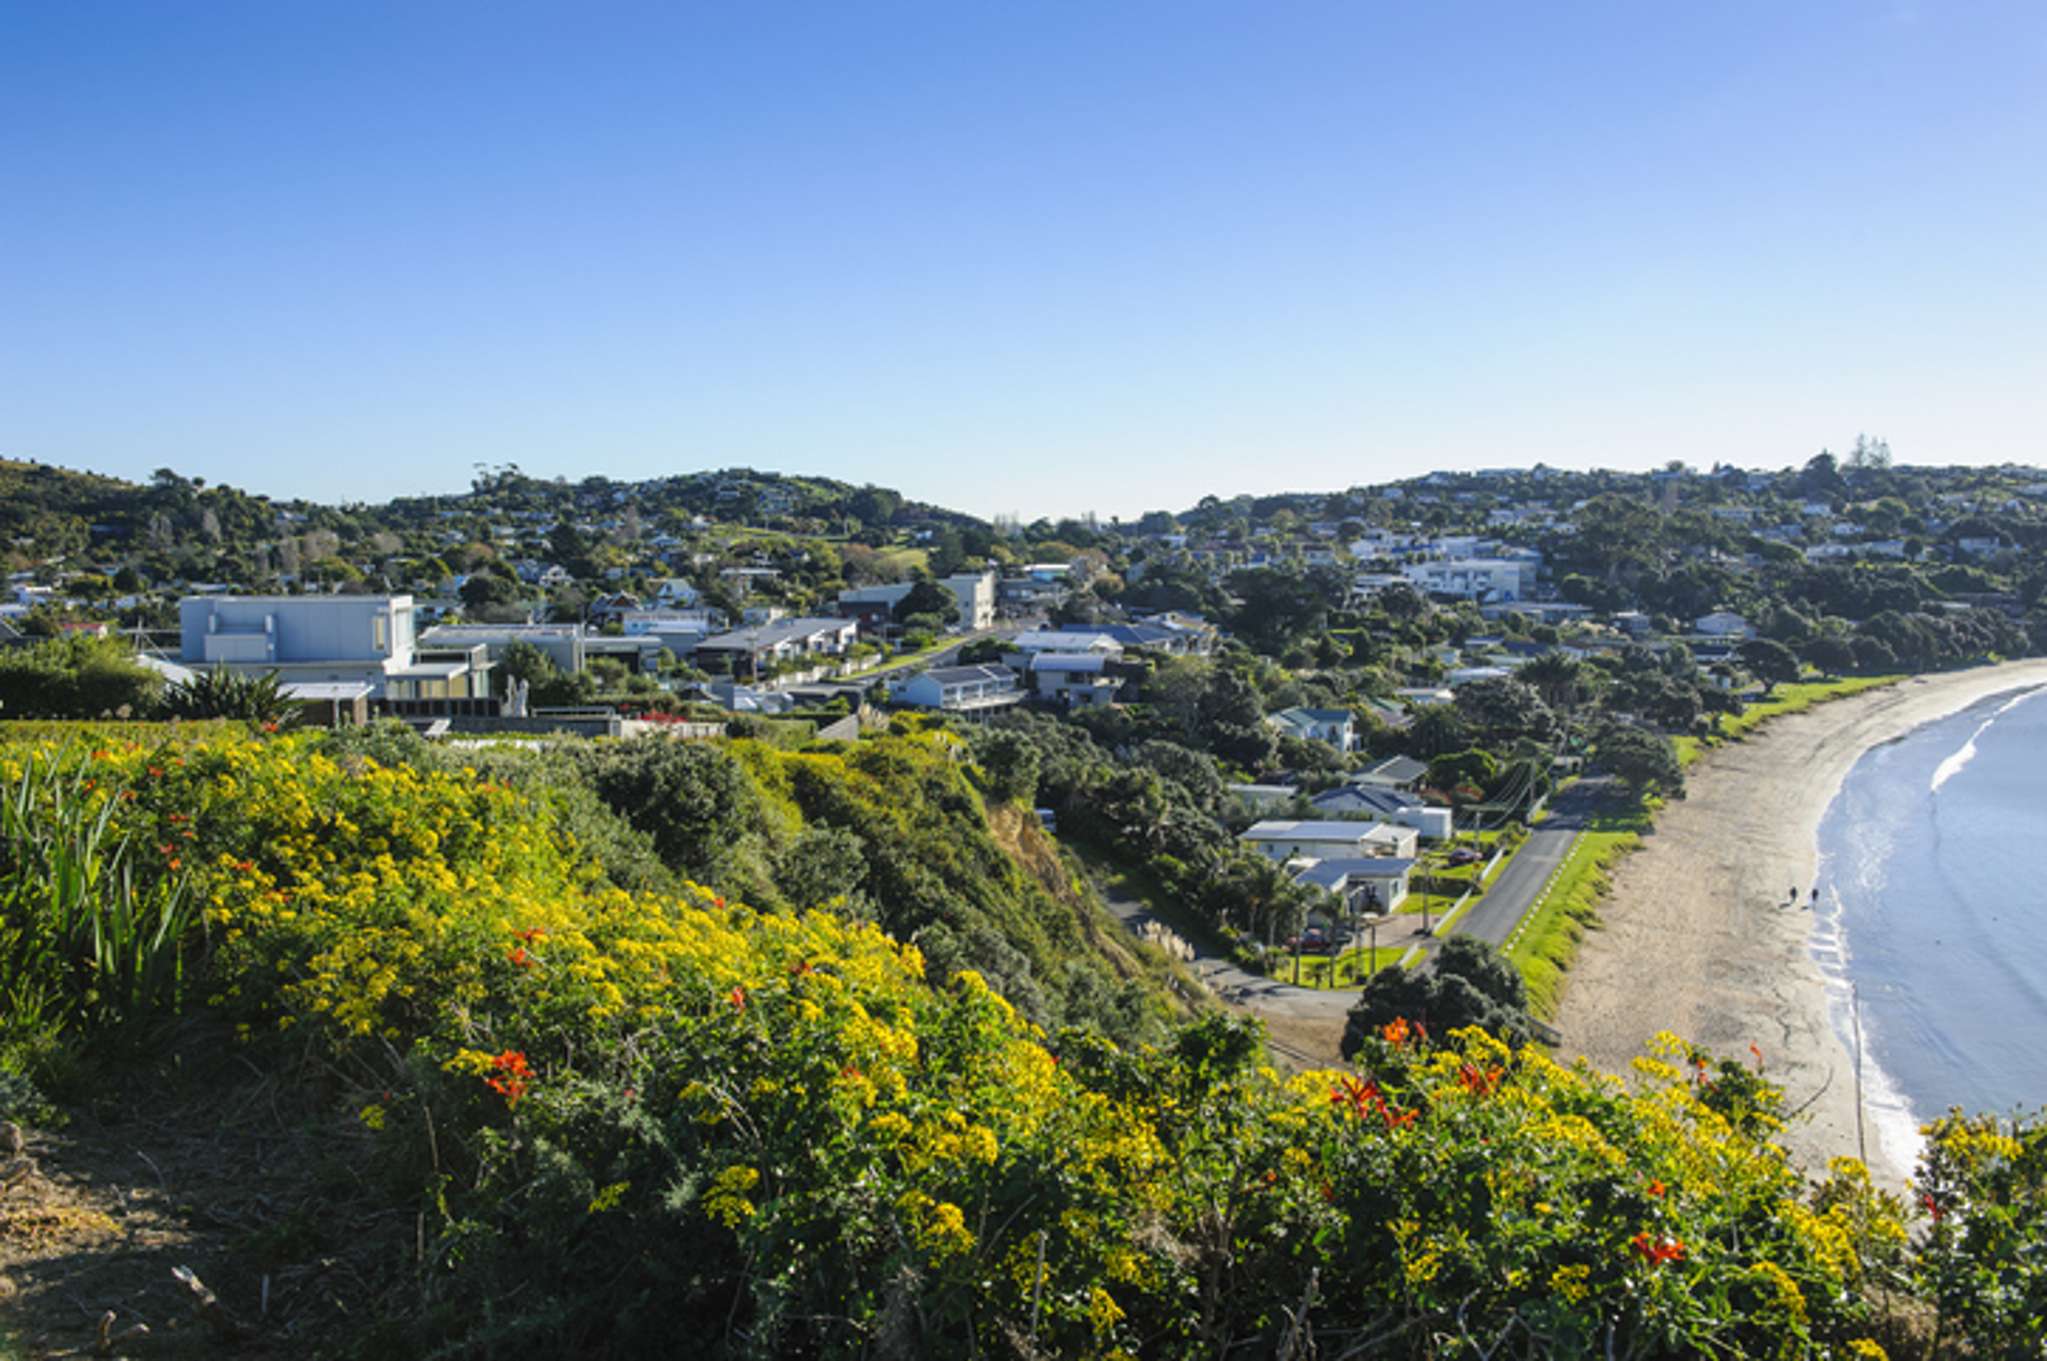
1480	1082
1759	1055
156	772
517	954
511	1077
1932	1205
1328	1193
1655	1188
1658	1251
531	934
737	998
800	968
1362	1097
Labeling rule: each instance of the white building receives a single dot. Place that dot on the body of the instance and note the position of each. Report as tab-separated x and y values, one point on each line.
310	638
1284	840
1494	579
960	689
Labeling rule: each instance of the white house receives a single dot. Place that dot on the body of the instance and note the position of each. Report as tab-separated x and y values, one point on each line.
782	640
1385	804
1284	840
1491	579
1078	680
960	689
1337	727
1376	884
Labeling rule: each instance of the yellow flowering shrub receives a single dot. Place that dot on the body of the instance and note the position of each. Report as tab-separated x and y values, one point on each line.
663	1116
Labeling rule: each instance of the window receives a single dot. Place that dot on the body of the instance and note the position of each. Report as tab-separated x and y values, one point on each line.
380	632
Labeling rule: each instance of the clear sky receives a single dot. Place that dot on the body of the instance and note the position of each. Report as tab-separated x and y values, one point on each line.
1038	257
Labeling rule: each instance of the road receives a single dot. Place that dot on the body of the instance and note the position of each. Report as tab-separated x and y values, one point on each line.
1500	909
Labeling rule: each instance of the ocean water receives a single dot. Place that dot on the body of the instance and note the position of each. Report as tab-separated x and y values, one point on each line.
1933	917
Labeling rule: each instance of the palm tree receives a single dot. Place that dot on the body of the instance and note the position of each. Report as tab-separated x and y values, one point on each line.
1558	677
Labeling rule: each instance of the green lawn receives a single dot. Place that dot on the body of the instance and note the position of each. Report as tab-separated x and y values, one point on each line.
1348	970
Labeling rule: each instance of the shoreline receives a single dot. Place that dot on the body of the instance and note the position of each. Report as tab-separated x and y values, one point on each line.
1695	938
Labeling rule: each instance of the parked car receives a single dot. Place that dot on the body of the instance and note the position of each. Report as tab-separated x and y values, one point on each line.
1464	855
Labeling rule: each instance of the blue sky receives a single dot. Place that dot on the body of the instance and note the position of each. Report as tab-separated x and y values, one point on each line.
1035	258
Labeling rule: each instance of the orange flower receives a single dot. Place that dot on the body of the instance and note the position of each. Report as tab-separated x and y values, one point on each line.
1480	1082
737	998
1396	1031
1361	1097
1655	1188
517	954
1657	1251
531	934
511	1077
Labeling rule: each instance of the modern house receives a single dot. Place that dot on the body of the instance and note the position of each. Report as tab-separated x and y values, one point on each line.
302	638
1284	840
1077	680
960	689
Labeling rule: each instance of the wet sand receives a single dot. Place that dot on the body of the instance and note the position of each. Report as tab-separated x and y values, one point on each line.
1696	938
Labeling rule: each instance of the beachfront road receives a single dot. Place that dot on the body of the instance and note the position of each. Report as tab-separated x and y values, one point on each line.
1493	917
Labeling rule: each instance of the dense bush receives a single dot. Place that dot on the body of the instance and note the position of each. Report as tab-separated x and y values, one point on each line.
641	1122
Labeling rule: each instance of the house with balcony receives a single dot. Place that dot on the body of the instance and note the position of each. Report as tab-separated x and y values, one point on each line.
960	689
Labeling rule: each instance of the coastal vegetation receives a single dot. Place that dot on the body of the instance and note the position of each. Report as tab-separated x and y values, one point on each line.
590	1105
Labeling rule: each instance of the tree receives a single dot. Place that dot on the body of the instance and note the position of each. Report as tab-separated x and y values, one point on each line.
694	800
1009	761
1643	759
1502	710
822	864
932	605
547	683
1435	729
1556	676
1772	661
1832	655
76	677
1467	983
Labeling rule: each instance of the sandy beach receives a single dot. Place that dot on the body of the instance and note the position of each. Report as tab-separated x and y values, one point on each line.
1696	939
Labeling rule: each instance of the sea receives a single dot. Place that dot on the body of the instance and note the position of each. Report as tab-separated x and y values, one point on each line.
1931	924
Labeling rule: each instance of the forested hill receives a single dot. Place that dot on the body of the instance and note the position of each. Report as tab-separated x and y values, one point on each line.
49	512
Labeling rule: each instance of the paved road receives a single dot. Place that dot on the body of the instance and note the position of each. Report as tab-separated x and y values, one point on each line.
1495	915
